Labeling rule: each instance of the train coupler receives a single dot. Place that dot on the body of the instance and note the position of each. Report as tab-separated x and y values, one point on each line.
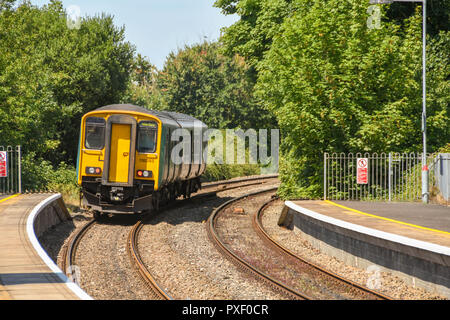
116	194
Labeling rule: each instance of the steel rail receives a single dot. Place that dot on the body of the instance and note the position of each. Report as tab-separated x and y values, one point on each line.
226	188
241	263
259	228
132	247
213	184
132	243
70	250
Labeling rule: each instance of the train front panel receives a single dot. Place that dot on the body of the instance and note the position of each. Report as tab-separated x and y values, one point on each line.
118	161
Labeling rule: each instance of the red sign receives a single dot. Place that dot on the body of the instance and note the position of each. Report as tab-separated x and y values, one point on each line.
362	170
3	164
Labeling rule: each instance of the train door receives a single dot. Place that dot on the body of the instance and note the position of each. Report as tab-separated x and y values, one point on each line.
119	159
166	158
172	163
120	145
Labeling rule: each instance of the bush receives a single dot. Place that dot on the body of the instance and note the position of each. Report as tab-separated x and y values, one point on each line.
216	172
336	85
40	175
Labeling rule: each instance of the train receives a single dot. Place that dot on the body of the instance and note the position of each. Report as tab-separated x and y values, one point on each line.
125	161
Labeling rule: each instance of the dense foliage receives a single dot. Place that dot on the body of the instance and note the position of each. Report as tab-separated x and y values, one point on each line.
336	85
200	81
313	68
50	75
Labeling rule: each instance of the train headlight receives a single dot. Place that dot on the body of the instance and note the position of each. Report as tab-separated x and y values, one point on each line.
144	174
93	170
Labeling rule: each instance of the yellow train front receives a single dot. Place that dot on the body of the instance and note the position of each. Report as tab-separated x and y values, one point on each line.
125	160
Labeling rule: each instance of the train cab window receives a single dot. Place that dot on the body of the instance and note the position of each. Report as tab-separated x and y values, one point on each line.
147	136
95	133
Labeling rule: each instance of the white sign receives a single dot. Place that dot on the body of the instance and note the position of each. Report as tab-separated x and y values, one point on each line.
362	170
3	164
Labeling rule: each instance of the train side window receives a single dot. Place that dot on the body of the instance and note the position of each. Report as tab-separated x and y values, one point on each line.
147	136
95	133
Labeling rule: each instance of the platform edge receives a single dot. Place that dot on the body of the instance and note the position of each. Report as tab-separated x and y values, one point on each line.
43	254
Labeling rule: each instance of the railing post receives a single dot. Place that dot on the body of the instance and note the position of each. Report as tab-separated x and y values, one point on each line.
425	177
19	153
390	176
325	181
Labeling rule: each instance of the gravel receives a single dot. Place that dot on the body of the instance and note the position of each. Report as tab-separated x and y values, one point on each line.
176	249
179	254
237	231
390	284
105	268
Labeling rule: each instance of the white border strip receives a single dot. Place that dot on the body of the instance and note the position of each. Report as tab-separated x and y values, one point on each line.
44	256
372	232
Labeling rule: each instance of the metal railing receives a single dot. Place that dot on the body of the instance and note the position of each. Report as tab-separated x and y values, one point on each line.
442	178
10	170
386	177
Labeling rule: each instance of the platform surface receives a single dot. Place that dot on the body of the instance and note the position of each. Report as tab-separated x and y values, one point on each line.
429	223
4	197
23	274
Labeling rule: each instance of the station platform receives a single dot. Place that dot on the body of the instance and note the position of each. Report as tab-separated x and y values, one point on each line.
412	240
26	272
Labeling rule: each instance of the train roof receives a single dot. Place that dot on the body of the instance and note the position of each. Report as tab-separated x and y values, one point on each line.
183	120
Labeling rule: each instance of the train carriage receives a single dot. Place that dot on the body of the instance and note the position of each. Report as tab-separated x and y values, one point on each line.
125	162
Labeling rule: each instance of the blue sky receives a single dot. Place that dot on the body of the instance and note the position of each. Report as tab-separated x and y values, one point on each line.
157	27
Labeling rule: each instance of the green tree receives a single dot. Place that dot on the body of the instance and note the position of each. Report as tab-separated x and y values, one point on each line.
51	74
438	14
251	36
202	82
337	86
142	88
259	22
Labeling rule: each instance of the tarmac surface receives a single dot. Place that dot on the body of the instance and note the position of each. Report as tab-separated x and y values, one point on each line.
429	223
412	240
23	273
432	216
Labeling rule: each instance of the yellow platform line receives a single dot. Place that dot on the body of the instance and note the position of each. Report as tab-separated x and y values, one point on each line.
13	196
387	219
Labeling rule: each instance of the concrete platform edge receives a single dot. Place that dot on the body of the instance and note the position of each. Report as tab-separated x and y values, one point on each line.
42	253
420	263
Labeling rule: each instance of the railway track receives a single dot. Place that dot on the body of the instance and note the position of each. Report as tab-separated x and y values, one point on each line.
259	228
68	261
242	263
69	252
157	291
240	180
296	278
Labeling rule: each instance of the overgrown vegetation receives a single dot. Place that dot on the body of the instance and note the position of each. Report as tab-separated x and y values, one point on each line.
200	81
311	68
336	85
50	75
